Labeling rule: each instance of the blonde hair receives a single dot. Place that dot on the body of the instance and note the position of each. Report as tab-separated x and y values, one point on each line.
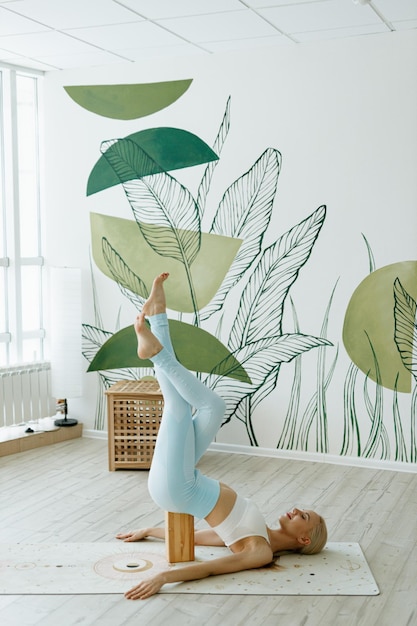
318	539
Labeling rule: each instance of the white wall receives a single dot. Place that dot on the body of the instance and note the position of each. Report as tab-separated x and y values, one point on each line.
343	115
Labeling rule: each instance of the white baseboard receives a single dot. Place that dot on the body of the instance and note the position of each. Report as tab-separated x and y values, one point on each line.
296	455
95	434
316	457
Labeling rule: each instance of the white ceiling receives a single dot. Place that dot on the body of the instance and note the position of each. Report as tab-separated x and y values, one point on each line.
59	34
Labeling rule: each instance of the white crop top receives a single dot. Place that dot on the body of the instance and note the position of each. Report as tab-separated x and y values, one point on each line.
244	520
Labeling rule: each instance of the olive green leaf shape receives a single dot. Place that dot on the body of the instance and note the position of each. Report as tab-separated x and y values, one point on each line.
129	283
168	149
245	212
195	348
405	324
215	256
127	102
369	321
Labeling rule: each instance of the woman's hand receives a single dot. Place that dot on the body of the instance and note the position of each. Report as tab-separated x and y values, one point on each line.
133	535
145	589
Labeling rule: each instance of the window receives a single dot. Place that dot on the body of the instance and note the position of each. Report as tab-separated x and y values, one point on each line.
21	260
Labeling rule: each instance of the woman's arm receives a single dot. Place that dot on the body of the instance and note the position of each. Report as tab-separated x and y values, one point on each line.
206	537
248	559
138	535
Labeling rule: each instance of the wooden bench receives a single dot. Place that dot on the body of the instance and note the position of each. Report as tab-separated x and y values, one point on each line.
179	537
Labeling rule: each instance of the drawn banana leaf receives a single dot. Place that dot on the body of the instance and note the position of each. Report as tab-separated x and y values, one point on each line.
405	325
245	212
167	148
204	186
129	283
259	359
157	199
262	301
127	102
208	270
195	348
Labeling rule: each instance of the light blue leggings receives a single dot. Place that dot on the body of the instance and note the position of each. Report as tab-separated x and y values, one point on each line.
174	482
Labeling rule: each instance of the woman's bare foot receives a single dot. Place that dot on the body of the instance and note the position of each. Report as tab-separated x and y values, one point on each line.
148	344
156	302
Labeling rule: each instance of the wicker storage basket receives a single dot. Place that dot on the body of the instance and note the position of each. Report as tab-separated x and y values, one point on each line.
134	413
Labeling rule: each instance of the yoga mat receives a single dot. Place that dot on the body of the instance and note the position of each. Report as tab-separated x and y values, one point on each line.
115	567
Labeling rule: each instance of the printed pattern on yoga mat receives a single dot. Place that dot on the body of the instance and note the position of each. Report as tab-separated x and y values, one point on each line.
90	568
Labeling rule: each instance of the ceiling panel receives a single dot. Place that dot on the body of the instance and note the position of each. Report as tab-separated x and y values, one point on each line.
341	33
140	54
133	35
398	10
245	44
406	25
157	9
38	44
275	3
63	14
324	15
219	26
57	34
93	58
12	24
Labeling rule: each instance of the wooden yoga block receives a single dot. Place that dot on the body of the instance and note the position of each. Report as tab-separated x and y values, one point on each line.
179	537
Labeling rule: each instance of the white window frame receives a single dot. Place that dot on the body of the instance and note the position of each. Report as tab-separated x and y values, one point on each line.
12	263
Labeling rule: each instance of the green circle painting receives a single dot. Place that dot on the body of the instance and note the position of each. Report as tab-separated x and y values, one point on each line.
380	325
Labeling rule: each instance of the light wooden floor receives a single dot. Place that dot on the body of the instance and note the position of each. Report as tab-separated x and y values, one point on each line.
65	493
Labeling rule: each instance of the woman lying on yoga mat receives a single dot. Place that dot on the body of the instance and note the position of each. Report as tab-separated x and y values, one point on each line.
177	486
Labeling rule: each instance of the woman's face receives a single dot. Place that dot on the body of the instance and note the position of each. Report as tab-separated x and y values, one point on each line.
298	523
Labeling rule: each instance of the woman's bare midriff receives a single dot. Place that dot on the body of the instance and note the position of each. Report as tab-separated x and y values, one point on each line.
223	506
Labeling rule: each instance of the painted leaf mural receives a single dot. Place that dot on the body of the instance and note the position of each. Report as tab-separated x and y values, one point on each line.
127	102
195	348
207	271
157	200
245	212
262	301
368	331
221	137
167	148
405	335
166	234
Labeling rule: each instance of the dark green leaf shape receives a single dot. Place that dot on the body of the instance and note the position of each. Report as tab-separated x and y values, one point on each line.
127	102
196	349
168	149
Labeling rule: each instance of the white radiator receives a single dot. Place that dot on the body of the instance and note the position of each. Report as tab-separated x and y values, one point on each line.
25	393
